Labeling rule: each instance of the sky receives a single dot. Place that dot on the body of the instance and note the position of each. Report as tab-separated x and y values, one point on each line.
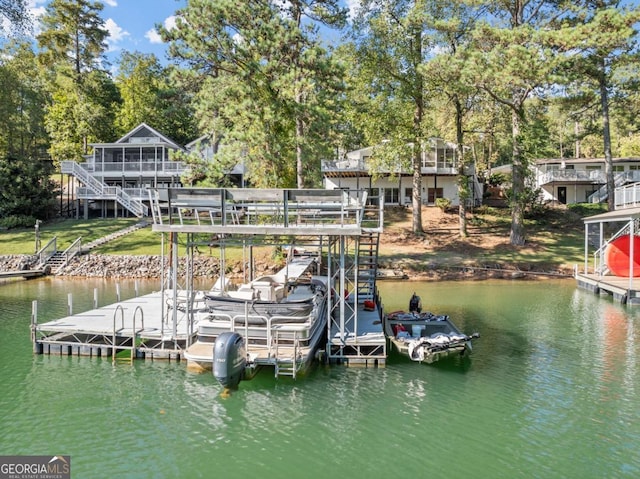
130	23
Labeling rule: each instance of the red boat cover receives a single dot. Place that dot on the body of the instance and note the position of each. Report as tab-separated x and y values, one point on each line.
617	256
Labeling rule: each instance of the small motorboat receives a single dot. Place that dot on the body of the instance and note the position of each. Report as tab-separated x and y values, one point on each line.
425	337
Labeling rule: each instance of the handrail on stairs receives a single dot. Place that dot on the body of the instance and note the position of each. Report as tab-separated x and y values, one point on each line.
47	251
135	206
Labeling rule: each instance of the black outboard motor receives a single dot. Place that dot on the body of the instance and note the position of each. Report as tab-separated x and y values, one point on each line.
229	359
415	304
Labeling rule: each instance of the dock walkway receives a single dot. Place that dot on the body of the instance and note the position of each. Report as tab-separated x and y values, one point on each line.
108	329
623	290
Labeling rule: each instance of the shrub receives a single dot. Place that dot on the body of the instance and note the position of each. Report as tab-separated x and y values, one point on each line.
443	203
17	221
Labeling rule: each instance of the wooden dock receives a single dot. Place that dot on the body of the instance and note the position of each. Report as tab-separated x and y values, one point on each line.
623	290
25	273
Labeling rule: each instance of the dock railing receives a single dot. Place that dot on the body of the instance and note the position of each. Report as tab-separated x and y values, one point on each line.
257	207
47	251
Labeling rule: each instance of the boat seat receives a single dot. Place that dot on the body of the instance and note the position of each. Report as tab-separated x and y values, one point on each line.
246	294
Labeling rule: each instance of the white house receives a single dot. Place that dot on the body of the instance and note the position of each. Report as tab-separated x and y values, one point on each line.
439	176
115	178
581	180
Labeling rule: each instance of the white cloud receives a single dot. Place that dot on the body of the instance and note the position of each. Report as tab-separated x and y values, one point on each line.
36	10
353	6
111	3
170	22
154	37
116	34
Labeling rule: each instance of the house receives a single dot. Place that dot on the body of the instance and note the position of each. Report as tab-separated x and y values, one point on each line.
203	146
581	180
439	176
114	180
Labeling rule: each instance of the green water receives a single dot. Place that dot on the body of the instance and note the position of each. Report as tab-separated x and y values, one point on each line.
550	392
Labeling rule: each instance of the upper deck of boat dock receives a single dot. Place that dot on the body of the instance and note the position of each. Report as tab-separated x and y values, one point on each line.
251	211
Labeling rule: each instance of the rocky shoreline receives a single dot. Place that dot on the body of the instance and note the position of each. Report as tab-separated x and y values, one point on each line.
150	266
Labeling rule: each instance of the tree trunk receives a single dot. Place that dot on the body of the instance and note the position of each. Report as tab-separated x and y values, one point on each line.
299	166
517	214
463	181
416	163
606	135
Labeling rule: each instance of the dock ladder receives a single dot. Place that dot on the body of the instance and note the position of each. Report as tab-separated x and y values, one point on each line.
286	366
368	244
134	334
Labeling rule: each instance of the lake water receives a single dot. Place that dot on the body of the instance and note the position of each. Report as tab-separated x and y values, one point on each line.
551	391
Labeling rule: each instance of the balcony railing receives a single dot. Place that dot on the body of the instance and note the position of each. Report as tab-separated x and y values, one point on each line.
161	167
350	165
593	176
627	196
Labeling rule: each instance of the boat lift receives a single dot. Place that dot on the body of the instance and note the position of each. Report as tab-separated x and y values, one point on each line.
337	223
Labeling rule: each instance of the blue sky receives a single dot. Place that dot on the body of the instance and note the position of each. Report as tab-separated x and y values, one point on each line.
131	24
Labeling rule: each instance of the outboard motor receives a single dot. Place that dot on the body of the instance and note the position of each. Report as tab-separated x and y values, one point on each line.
229	359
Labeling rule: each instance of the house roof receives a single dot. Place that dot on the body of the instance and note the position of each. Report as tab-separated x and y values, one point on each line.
151	132
623	214
193	143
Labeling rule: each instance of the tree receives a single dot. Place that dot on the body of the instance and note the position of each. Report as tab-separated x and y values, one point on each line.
389	45
446	77
26	190
72	46
606	37
512	59
260	82
16	14
22	101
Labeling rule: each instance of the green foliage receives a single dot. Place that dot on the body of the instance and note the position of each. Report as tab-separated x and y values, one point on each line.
14	16
22	102
72	45
443	203
26	191
150	96
497	179
262	81
17	221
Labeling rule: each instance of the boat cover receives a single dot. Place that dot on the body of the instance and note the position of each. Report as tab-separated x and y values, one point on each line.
420	347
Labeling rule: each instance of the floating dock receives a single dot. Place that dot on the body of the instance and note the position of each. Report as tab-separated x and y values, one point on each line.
613	262
139	325
622	290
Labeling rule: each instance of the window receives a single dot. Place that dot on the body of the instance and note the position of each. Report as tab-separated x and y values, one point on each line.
618	168
593	167
408	196
433	194
391	195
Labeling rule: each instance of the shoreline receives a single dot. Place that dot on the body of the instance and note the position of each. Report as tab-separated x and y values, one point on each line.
207	267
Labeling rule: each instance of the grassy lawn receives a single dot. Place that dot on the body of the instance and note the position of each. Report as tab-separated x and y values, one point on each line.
22	241
554	237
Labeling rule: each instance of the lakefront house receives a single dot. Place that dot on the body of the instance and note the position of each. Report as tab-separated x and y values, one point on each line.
581	180
439	176
115	179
